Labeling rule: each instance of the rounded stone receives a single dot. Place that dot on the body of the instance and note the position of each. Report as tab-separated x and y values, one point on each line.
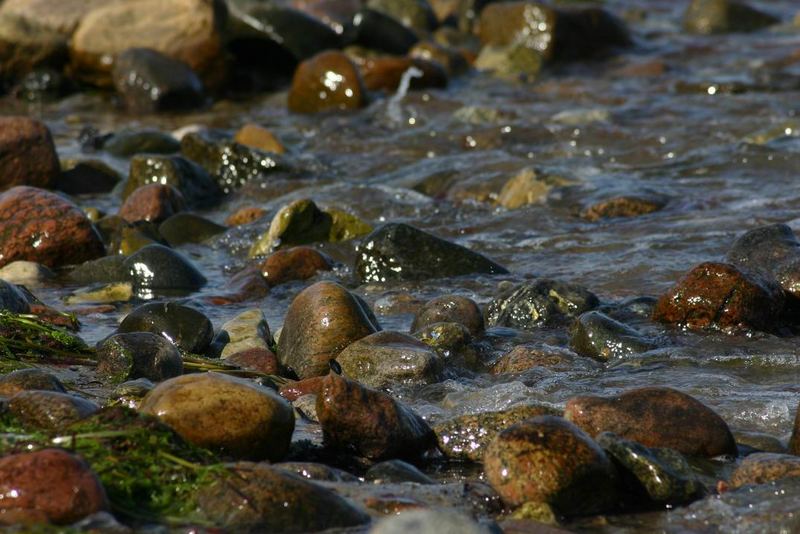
29	379
328	81
224	413
49	410
764	467
450	308
135	355
189	329
297	263
152	202
162	268
27	154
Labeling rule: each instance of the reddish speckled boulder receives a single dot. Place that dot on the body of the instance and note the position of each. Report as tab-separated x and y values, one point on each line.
27	154
655	417
45	228
48	486
718	295
328	81
152	202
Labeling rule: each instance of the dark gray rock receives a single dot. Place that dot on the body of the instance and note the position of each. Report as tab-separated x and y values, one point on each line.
188	228
598	336
156	267
194	183
134	355
189	329
540	302
127	143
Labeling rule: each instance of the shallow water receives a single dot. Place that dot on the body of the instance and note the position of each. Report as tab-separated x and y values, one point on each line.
681	134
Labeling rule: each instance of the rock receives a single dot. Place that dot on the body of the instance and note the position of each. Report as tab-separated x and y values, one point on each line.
378	31
229	163
718	295
721	16
794	440
320	322
134	355
450	308
528	186
131	393
103	294
387	358
540	512
435	521
224	413
328	81
453	61
448	339
749	442
370	423
27	154
86	177
27	273
184	30
255	136
765	467
13	299
467	436
248	330
773	251
655	417
623	206
48	486
127	143
397	251
149	81
129	238
156	267
108	269
182	228
297	263
664	474
306	407
315	471
259	360
264	498
386	73
512	62
45	228
27	380
302	222
547	459
524	357
245	216
294	390
414	14
397	471
197	187
598	336
189	329
540	302
49	410
152	202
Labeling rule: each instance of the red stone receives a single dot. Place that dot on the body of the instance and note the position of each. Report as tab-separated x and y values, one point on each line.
39	226
257	360
298	263
152	202
245	216
295	390
27	154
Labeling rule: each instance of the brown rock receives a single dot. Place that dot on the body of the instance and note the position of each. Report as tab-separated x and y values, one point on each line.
29	379
321	321
547	459
27	154
45	228
224	413
328	81
298	263
624	206
245	216
48	486
794	441
256	359
186	30
153	203
764	467
49	410
450	309
255	136
385	73
370	423
453	61
718	295
295	390
655	417
524	357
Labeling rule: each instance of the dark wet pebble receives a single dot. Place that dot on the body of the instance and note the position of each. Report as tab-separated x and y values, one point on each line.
415	14
197	187
450	308
102	270
189	329
182	228
134	355
624	206
396	471
539	303
127	143
397	251
27	154
598	336
49	410
773	251
156	267
29	379
299	33
524	357
131	393
379	31
86	177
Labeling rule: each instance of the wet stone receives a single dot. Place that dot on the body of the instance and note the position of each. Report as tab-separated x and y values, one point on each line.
466	437
794	441
750	441
524	357
127	143
12	298
131	393
539	303
773	251
415	14
623	206
311	94
297	263
255	136
320	322
548	459
29	379
528	186
224	413
514	61
655	417
370	423
27	154
388	358
378	31
718	295
244	216
764	467
664	474
182	228
450	308
152	202
259	360
306	407
428	522
386	73
192	181
49	410
264	498
107	269
134	355
149	82
295	390
397	251
48	486
189	329
86	177
397	471
156	267
598	336
315	471
247	331
27	273
722	16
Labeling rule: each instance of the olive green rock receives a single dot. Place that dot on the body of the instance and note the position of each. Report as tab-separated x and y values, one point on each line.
533	304
721	16
598	336
49	410
224	413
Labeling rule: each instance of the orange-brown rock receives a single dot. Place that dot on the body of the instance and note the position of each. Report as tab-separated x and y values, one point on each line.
298	263
48	486
523	357
328	81
27	154
256	359
45	228
295	390
655	417
623	206
765	467
153	203
256	136
385	73
245	216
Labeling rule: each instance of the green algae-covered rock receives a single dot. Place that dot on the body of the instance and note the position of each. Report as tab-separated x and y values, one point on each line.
539	302
134	355
598	336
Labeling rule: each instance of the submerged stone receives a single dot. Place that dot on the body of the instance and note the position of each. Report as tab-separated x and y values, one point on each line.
540	302
182	228
127	143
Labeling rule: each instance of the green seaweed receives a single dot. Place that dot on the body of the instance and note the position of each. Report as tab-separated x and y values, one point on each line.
26	338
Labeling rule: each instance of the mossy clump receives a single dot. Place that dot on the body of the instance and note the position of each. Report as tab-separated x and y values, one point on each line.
27	338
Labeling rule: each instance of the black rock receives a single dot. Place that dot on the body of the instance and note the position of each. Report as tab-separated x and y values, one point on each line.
188	228
299	33
149	81
194	183
135	355
128	143
88	177
156	267
772	251
12	298
189	329
378	31
538	303
398	251
102	270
